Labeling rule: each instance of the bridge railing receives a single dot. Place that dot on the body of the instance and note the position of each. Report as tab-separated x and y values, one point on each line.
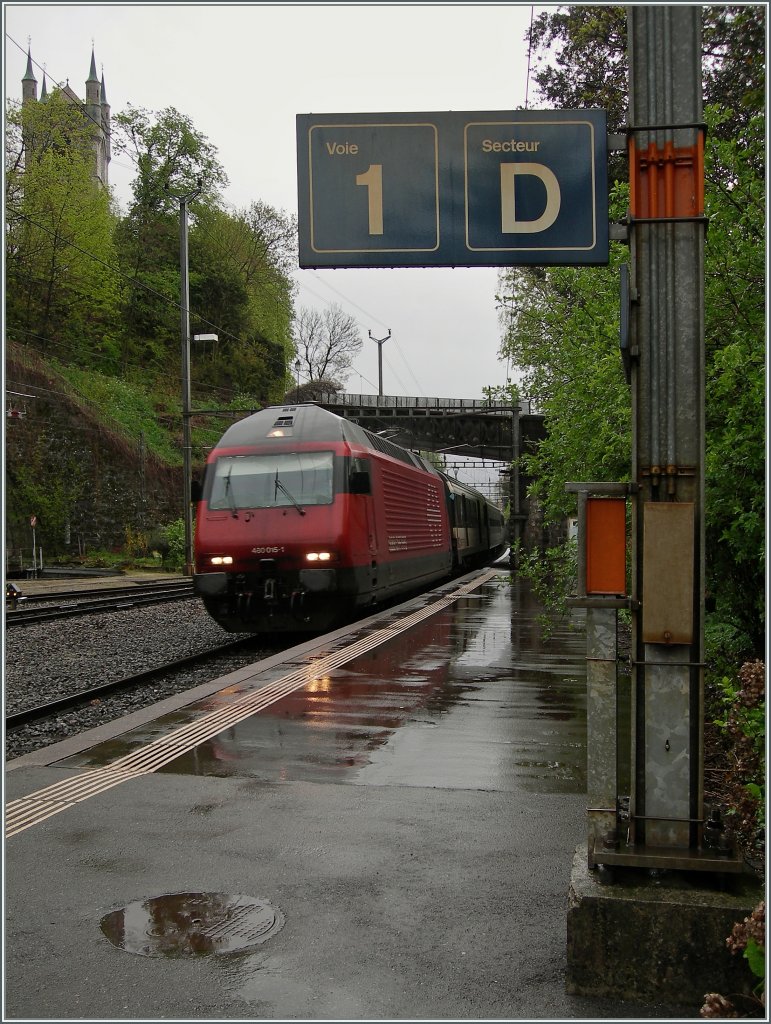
526	405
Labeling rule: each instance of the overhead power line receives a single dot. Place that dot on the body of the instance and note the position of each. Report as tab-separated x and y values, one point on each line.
172	302
58	85
134	281
361	324
349	301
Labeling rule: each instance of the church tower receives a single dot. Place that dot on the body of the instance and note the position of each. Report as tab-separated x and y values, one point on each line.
95	109
106	130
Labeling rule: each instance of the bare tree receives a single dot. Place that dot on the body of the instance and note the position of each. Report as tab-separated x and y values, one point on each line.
312	391
327	343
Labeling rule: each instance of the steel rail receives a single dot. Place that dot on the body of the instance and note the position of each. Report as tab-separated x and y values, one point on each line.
115	600
72	700
126	588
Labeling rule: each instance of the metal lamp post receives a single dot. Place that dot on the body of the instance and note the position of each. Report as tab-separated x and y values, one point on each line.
184	305
188	460
297	379
185	332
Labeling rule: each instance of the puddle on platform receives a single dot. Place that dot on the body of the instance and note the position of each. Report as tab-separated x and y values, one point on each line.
192	924
474	697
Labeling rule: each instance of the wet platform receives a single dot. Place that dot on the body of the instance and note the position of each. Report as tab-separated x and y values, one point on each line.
378	824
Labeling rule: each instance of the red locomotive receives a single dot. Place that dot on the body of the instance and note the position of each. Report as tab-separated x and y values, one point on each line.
306	519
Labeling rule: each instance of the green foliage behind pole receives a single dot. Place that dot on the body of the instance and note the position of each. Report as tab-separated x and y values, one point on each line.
562	324
563	334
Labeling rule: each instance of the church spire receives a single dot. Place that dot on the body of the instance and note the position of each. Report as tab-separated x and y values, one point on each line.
29	74
92	73
93	98
29	82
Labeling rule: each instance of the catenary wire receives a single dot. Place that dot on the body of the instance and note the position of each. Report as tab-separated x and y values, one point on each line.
232	206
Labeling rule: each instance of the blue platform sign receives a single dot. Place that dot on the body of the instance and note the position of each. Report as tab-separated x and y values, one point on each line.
453	189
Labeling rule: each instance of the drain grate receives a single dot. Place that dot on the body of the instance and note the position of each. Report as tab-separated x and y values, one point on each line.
185	924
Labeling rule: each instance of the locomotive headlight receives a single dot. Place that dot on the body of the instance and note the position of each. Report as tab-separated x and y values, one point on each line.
221	560
318	556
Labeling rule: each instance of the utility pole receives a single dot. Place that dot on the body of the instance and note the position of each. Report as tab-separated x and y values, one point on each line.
660	822
184	305
667	228
380	342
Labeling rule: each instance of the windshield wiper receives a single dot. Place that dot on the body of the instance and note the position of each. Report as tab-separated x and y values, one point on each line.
229	493
280	487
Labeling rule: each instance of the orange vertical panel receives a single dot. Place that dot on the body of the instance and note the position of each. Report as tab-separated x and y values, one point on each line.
666	182
605	546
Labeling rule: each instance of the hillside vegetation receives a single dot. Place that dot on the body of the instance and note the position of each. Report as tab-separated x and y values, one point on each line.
93	354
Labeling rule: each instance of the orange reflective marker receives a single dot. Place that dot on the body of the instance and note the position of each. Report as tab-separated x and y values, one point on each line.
605	546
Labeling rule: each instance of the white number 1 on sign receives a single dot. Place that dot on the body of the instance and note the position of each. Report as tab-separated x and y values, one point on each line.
373	179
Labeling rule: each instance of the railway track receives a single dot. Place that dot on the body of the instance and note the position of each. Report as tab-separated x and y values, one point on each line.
80	697
139	658
26	610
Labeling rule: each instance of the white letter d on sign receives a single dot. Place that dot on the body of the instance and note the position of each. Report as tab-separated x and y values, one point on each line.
509	223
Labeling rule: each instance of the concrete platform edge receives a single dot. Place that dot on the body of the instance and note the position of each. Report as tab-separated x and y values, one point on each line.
663	938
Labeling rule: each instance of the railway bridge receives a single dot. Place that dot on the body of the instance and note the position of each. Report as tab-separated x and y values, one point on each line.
496	434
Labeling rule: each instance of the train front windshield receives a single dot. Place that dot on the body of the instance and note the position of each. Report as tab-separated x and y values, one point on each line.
269	481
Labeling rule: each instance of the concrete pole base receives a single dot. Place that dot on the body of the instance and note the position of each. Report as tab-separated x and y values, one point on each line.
635	935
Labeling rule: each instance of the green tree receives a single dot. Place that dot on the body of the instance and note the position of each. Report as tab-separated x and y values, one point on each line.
580	60
735	375
240	280
562	333
61	292
172	160
734	53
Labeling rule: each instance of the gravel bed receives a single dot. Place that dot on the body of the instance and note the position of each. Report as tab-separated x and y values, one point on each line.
54	659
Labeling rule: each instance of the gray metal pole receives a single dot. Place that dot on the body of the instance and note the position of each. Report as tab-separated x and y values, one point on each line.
380	342
186	441
516	526
601	724
667	324
187	448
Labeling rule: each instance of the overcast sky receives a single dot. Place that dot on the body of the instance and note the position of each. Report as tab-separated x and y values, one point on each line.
242	73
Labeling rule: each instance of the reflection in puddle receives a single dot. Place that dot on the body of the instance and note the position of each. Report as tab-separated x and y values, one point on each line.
186	924
475	696
429	689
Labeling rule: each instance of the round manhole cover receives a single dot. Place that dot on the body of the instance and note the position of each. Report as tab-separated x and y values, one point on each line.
192	924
